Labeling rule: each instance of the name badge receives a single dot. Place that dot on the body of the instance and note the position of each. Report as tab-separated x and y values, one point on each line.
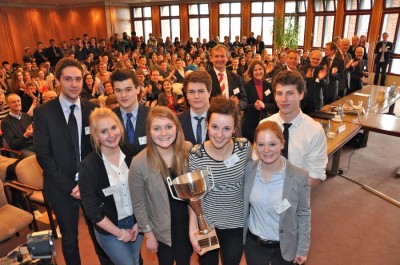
267	92
110	190
231	160
142	140
87	130
282	206
236	91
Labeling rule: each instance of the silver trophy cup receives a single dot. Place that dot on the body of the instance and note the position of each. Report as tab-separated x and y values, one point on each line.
193	186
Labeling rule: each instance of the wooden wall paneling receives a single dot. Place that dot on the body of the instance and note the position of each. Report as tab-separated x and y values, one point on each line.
7	52
21	31
184	22
308	35
374	31
246	19
43	27
339	23
214	21
156	22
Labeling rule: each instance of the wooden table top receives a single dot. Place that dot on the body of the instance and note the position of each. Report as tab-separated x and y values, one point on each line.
362	95
340	139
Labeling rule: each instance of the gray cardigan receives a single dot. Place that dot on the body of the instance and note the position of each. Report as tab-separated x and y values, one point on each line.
149	197
295	222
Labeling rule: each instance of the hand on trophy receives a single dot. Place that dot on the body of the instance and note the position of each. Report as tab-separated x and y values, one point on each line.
151	242
193	228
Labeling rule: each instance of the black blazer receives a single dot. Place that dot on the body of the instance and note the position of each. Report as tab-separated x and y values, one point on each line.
130	150
234	81
357	74
252	116
93	179
344	82
54	147
314	97
332	89
386	54
239	70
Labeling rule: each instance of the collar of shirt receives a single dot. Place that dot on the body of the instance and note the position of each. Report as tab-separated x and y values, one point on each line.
65	104
192	114
121	159
134	112
280	173
17	116
295	122
218	72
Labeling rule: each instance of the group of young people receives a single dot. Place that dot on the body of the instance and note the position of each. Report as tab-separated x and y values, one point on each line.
118	162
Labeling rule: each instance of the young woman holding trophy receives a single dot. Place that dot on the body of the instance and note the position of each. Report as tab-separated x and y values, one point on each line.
277	203
225	158
163	220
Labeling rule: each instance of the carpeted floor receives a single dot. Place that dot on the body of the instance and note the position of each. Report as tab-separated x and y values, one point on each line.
350	226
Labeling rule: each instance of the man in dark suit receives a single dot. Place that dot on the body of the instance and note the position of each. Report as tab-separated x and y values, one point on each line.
53	53
126	90
335	66
234	68
62	140
344	82
315	76
355	42
359	76
383	50
197	88
224	82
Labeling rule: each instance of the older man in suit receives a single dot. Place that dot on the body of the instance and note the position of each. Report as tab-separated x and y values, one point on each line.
197	87
335	66
344	82
359	76
62	139
224	82
383	50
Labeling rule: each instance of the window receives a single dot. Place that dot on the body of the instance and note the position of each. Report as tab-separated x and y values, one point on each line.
357	17
262	21
297	9
391	25
142	21
170	22
230	20
199	21
324	20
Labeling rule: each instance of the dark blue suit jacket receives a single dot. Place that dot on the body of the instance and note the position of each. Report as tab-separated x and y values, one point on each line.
131	150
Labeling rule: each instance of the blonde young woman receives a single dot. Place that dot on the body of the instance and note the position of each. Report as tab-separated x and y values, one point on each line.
103	183
164	220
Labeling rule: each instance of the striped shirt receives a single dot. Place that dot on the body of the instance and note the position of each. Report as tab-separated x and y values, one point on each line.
223	205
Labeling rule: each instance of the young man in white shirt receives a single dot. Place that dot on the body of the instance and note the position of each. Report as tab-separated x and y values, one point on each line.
307	145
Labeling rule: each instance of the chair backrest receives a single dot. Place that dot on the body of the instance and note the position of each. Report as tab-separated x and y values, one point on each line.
29	172
3	199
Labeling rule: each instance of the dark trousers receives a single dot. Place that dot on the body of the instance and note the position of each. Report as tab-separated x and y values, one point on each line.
66	210
231	242
180	251
380	67
259	254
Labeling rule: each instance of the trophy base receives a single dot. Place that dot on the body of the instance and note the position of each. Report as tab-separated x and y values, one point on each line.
207	241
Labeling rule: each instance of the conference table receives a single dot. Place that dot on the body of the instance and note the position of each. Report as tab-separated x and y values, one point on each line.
360	117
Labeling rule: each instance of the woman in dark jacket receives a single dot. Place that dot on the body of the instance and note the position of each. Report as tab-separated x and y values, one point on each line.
103	183
260	99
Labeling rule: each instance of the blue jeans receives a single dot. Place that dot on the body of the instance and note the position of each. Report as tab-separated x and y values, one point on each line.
121	253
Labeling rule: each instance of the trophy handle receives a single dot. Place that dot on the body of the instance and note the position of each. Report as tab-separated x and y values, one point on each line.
212	177
169	181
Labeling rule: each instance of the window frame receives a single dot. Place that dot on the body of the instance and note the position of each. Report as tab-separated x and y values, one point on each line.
141	19
170	18
199	17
